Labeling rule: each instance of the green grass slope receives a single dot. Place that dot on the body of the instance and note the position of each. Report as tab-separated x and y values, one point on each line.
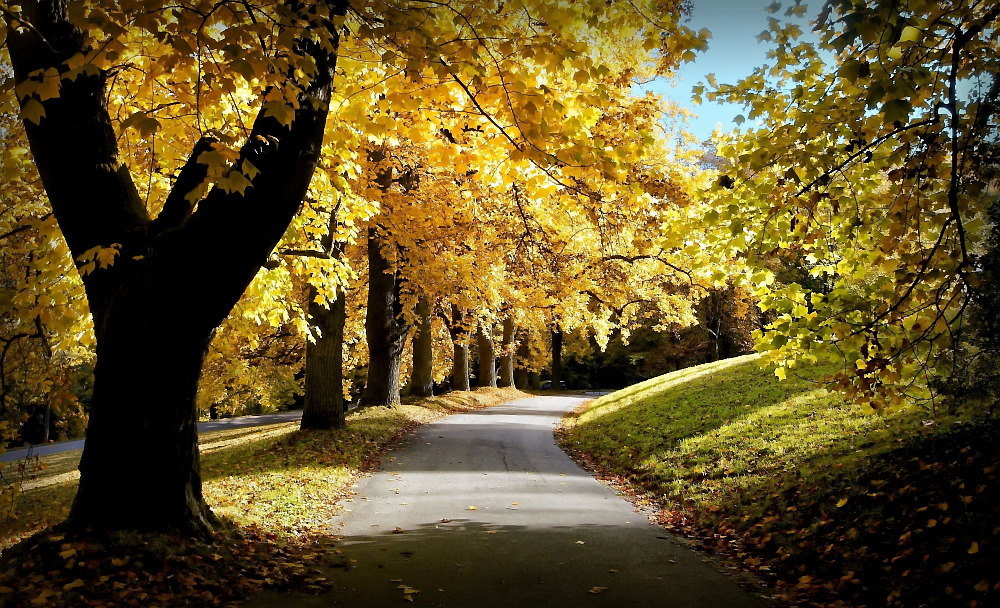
831	506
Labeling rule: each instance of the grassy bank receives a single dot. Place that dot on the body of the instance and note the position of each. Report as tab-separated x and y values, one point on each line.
784	479
275	488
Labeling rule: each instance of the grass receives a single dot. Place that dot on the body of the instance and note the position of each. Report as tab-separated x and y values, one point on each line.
787	479
274	487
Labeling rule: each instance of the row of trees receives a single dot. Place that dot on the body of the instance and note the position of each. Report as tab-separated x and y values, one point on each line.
237	181
227	177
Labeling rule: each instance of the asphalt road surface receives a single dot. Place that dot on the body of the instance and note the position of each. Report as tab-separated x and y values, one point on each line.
483	509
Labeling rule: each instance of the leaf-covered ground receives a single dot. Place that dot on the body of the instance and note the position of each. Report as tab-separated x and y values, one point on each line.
828	505
275	488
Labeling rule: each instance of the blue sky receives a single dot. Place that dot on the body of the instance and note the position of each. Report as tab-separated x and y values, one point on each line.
733	52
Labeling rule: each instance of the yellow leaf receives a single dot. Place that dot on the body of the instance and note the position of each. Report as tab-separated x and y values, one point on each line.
841	502
73	585
33	111
472	508
973	548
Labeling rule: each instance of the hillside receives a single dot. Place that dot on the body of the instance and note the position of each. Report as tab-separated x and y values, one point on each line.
827	504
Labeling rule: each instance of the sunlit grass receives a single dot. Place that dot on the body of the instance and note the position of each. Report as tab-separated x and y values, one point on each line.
274	478
832	505
724	434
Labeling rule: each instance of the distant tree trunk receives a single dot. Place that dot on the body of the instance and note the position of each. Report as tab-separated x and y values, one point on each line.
386	335
534	380
460	365
507	354
324	398
48	421
522	378
557	339
421	378
487	358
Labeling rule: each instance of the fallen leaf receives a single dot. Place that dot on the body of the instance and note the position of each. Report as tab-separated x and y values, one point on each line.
596	590
445	520
973	548
73	585
580	542
397	530
841	502
472	508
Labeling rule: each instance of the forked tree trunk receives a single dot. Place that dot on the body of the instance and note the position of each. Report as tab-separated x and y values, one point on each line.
557	339
175	279
386	334
421	378
324	399
507	354
487	358
460	362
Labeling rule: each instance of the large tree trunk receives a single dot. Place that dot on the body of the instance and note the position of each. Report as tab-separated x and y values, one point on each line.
507	354
324	399
174	280
487	358
140	465
421	378
460	363
386	334
557	339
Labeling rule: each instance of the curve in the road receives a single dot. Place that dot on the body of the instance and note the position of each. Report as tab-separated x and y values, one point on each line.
483	509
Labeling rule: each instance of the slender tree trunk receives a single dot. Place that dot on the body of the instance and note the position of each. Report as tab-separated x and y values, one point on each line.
460	363
175	279
507	354
324	399
557	339
487	358
47	423
386	334
422	376
522	378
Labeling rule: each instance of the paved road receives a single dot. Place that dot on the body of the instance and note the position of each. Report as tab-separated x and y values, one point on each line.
204	427
543	532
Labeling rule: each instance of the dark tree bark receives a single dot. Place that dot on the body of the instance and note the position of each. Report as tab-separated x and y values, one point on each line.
557	339
385	332
507	354
324	398
487	358
523	353
174	281
421	378
323	406
460	363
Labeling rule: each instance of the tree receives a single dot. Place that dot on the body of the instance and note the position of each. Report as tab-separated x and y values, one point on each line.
487	356
150	340
422	378
171	198
870	169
